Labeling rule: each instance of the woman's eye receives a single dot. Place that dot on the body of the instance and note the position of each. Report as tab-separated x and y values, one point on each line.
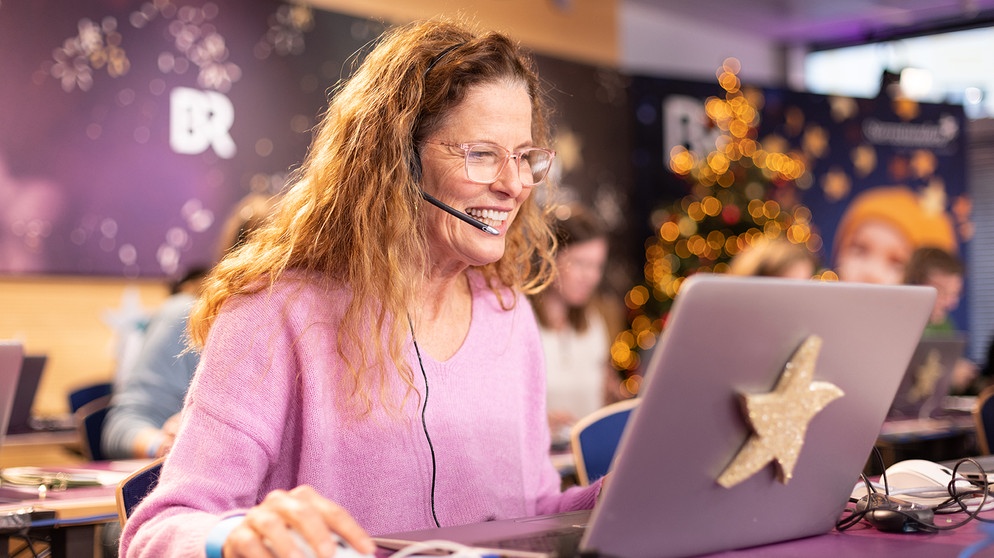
483	156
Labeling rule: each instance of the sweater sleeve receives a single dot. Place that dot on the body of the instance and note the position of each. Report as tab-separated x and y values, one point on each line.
230	434
550	497
154	389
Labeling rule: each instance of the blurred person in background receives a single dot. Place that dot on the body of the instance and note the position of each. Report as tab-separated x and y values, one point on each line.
145	407
577	323
775	258
943	270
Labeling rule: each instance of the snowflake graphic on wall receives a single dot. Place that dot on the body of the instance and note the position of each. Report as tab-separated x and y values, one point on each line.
95	47
286	31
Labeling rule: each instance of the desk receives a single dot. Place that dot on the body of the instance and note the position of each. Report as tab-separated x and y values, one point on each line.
51	448
863	540
934	439
81	509
860	540
90	506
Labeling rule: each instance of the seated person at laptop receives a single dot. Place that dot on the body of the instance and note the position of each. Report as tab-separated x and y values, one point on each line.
943	270
397	260
145	409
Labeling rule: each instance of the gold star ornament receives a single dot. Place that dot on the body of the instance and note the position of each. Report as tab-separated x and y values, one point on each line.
779	419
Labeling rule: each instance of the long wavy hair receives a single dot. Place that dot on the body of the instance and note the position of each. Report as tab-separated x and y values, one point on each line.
351	212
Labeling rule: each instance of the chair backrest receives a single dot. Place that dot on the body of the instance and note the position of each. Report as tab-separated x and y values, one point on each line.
983	418
133	488
594	439
83	395
90	424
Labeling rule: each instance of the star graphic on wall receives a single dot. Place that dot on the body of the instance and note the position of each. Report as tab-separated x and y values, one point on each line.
780	418
843	108
836	184
815	141
568	149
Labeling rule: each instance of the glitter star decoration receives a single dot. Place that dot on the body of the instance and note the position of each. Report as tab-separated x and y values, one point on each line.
780	419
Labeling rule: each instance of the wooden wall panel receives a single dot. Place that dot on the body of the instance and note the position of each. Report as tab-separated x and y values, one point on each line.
66	318
580	30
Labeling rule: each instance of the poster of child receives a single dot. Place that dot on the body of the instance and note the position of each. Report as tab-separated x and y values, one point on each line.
882	227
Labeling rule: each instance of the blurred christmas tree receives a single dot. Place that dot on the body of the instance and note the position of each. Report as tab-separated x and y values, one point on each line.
743	191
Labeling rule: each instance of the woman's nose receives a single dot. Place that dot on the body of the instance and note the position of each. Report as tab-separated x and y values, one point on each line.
509	180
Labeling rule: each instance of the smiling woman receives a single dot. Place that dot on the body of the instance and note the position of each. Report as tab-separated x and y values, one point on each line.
321	335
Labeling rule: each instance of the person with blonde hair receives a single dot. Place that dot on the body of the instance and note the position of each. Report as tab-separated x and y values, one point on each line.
370	361
777	257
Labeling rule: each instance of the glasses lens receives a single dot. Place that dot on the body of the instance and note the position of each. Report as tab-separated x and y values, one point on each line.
484	163
533	166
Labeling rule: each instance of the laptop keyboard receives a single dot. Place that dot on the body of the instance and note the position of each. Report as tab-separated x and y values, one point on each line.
563	542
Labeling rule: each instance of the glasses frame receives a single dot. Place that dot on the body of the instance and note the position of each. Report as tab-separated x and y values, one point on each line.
508	155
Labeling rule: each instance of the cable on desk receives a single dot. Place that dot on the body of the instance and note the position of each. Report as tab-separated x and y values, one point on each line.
914	518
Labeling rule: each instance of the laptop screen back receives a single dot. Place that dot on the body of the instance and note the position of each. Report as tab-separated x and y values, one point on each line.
24	398
11	355
928	377
732	339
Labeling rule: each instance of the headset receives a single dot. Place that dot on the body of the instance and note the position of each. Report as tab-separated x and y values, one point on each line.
416	169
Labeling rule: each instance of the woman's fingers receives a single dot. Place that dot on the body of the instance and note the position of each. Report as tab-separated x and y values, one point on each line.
331	517
254	538
284	518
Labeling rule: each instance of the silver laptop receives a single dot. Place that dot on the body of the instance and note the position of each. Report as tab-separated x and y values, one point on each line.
689	476
928	377
11	355
32	368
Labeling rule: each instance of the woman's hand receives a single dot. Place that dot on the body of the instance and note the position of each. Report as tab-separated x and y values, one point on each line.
266	529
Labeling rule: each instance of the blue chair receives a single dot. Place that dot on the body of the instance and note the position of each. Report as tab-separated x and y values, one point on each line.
133	488
90	423
83	395
983	419
594	439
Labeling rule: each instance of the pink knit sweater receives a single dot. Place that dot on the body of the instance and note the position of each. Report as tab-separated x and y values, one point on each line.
261	414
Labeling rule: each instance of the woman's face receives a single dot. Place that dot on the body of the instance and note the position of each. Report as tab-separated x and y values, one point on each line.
581	267
497	113
876	252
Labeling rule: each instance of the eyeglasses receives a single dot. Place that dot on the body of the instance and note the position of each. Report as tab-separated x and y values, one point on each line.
485	162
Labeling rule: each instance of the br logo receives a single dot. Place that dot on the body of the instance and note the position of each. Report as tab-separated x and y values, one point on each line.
199	120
